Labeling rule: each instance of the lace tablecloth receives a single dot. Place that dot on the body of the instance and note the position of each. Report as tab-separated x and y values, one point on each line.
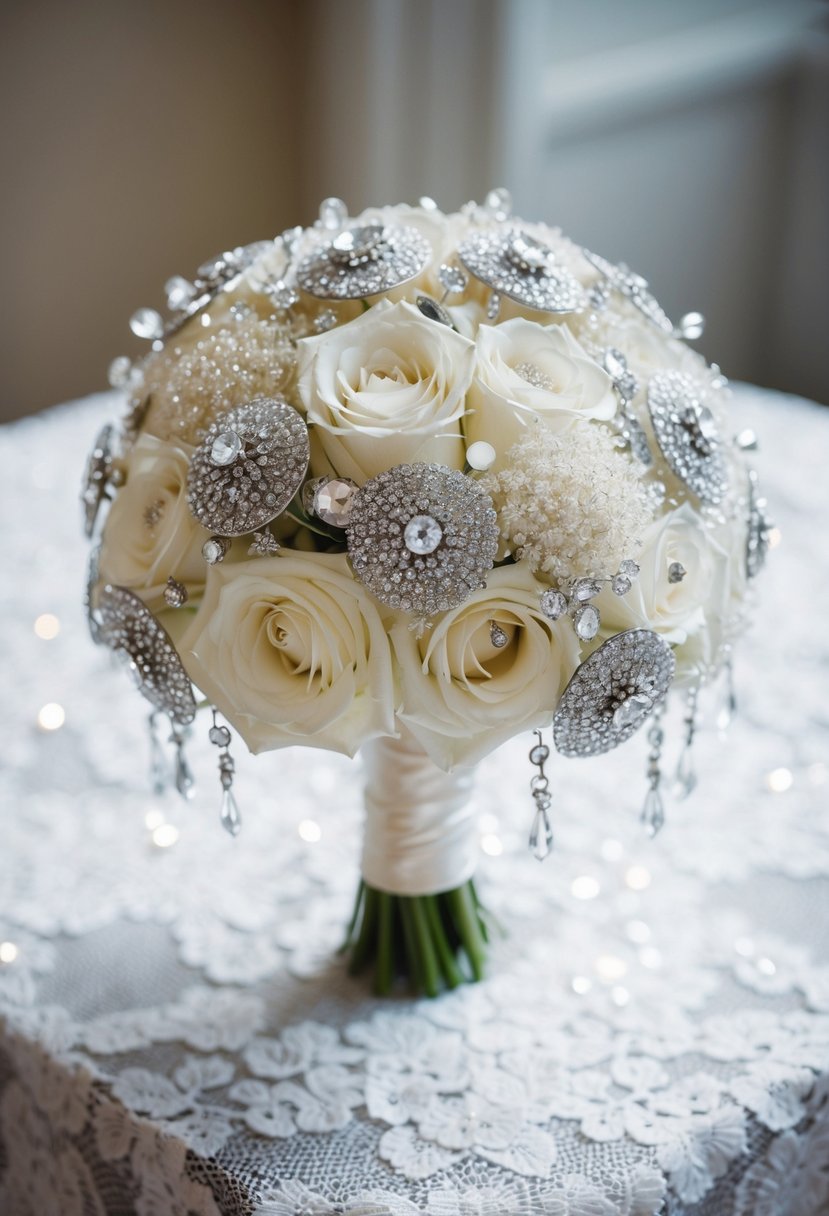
178	1034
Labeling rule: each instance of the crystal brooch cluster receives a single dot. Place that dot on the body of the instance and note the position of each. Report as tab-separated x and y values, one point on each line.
249	466
613	692
421	537
363	261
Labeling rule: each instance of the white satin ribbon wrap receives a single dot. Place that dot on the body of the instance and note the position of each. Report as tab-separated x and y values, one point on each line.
420	833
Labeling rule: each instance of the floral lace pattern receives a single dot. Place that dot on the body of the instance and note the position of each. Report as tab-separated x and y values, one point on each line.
654	1034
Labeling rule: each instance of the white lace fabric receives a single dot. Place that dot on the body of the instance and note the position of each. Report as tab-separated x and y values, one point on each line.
179	1035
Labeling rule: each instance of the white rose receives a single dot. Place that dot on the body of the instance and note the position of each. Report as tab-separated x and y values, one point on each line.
525	372
691	614
292	650
386	389
150	533
461	696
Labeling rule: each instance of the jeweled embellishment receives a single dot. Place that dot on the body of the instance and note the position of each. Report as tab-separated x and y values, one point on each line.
687	434
249	466
421	537
759	527
96	477
516	264
613	692
129	628
363	261
631	285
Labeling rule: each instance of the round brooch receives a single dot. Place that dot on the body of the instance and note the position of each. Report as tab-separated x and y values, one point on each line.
613	692
248	467
127	627
363	261
687	434
631	285
421	537
515	264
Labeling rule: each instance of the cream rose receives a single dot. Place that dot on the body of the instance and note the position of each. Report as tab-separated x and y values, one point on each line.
460	695
386	389
691	614
150	533
292	650
525	372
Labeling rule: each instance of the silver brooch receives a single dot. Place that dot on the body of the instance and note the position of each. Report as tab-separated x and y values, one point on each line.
97	477
687	434
129	628
515	264
759	527
249	466
631	285
363	261
421	537
185	298
613	692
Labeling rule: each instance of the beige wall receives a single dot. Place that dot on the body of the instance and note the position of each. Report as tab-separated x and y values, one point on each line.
141	136
137	139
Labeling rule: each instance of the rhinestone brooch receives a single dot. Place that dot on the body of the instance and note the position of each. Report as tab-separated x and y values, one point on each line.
421	537
363	261
515	264
249	466
631	285
613	692
686	432
129	628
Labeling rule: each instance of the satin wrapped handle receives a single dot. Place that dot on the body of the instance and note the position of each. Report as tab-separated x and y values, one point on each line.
420	836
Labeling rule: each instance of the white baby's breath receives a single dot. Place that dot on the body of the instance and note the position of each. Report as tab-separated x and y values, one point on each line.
570	505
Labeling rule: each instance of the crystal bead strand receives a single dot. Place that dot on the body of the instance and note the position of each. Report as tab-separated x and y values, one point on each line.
541	832
230	818
185	782
653	811
159	768
728	705
686	778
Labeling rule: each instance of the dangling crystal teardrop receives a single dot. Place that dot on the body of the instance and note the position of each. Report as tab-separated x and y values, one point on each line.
231	819
541	835
184	779
685	779
159	769
653	812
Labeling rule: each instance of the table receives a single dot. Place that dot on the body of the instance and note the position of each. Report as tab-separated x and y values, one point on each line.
178	1034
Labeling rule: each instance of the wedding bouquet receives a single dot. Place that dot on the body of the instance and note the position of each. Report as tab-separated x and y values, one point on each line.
409	484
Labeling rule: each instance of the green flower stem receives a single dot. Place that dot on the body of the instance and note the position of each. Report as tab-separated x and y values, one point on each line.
426	948
384	971
468	923
363	947
413	958
451	970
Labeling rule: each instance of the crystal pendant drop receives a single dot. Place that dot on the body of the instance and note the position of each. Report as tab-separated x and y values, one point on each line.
184	780
333	213
159	771
231	819
685	779
541	835
147	323
653	812
728	705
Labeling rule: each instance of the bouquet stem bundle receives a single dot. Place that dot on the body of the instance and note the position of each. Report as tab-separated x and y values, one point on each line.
432	941
417	916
